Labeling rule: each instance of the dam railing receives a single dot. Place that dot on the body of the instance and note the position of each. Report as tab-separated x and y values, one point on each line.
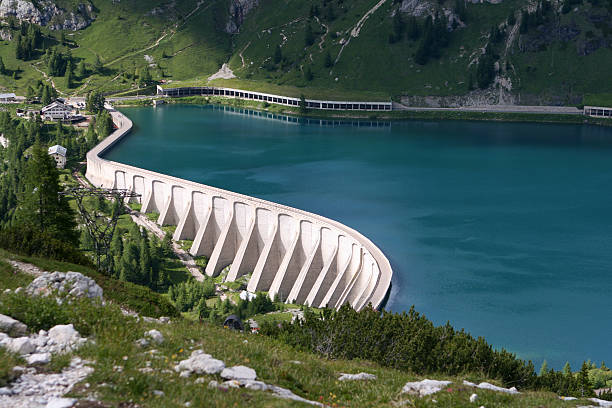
298	256
271	98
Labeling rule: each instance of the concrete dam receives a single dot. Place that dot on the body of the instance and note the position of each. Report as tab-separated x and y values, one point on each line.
301	257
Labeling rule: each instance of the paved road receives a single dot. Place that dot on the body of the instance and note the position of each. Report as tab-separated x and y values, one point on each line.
555	110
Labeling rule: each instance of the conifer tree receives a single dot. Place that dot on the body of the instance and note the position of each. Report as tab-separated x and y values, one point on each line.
278	55
2	67
41	207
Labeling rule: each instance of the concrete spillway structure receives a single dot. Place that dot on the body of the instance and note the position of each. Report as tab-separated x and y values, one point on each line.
302	257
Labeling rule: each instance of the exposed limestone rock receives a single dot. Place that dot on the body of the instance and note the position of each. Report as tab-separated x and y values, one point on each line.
239	373
46	13
425	387
21	345
38	358
32	390
199	363
155	336
12	327
357	377
71	283
491	387
238	11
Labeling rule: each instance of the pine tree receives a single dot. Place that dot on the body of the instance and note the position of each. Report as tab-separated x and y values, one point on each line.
41	207
81	71
567	369
278	55
98	67
308	35
69	75
328	60
47	95
543	369
2	67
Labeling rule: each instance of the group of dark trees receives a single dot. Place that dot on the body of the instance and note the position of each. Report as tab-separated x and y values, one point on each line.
540	16
35	219
137	257
27	41
433	33
409	341
188	296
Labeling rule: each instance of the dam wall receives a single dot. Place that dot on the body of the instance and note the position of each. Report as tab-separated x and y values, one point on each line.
293	254
276	99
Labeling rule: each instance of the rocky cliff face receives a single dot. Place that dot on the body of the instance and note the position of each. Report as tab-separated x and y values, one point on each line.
46	13
238	11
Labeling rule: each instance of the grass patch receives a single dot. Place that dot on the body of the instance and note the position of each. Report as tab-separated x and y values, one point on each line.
11	278
8	360
133	297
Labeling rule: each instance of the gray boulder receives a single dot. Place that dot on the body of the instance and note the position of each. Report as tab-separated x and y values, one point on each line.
155	336
38	358
72	284
356	377
21	345
199	363
12	327
239	373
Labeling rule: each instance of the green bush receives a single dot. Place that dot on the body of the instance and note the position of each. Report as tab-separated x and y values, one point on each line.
134	297
406	341
26	241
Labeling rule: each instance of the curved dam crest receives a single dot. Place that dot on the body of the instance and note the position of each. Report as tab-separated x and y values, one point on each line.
299	256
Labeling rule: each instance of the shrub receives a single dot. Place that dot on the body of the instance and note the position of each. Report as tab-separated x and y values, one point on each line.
26	241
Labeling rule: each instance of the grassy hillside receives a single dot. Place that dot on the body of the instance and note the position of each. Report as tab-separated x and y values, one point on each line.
305	374
336	49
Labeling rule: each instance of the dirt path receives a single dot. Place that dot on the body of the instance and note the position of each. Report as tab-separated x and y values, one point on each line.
357	29
324	35
185	258
26	268
160	39
241	56
47	78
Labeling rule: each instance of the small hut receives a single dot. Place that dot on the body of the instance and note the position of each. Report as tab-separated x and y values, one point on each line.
233	322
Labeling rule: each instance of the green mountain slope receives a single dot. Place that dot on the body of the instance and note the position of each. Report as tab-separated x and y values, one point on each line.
515	51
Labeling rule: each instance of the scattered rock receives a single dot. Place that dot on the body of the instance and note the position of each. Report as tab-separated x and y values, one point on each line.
231	384
12	327
239	373
21	345
199	363
425	387
38	358
212	384
357	377
71	283
473	397
237	13
158	393
155	336
61	403
491	387
32	390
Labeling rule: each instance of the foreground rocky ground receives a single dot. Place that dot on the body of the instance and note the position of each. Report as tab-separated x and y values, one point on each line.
72	348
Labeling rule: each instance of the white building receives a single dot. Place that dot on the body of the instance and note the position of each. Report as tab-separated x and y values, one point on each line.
56	110
59	154
8	98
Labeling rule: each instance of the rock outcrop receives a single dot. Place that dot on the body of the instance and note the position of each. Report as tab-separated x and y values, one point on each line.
12	327
238	11
72	284
46	13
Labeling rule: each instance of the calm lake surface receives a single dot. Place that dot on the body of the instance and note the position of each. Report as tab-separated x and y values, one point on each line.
502	229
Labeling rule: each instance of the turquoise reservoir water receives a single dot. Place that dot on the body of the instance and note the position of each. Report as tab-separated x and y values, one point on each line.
503	229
